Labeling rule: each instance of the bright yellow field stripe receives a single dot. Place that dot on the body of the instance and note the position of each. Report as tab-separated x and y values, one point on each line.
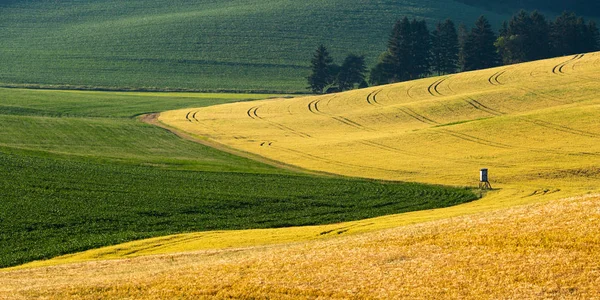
535	126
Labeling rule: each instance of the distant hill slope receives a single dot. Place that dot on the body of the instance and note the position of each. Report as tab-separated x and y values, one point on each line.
533	124
183	44
582	7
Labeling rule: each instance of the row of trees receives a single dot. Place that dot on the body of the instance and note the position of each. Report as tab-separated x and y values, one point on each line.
325	73
415	52
528	37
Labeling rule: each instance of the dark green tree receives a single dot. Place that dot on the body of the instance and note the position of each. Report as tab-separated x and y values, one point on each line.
323	70
420	50
351	72
383	72
479	50
539	45
399	59
593	37
462	39
445	48
525	38
570	35
408	53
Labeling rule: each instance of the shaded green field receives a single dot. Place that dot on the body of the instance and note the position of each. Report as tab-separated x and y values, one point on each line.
202	45
79	172
53	206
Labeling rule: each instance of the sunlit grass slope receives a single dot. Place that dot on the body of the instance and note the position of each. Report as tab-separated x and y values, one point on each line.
534	125
539	251
183	44
80	171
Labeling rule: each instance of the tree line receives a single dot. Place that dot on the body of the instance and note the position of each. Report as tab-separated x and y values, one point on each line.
413	51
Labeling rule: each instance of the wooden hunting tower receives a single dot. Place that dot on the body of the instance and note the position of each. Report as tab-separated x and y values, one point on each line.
484	182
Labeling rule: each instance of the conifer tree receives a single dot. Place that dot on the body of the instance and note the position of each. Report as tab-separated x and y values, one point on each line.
408	54
322	70
539	43
570	35
445	48
351	72
462	39
420	50
593	37
383	72
525	38
399	47
479	50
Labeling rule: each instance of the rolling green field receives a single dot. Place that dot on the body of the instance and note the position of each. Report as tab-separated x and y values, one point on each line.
201	45
80	172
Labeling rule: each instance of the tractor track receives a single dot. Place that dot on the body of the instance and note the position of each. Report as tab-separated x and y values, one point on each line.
253	113
476	140
313	107
493	80
187	116
396	150
479	106
372	97
433	88
408	92
458	135
561	128
194	116
545	96
558	69
421	118
372	100
329	161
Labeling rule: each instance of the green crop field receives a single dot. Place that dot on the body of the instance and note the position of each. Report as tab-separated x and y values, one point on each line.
80	172
201	45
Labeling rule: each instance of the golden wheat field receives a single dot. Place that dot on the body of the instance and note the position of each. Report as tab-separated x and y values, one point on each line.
541	251
534	125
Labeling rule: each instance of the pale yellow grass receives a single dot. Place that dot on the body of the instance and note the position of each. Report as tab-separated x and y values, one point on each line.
543	251
535	129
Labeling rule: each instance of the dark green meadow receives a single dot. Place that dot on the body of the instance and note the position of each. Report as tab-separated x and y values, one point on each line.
79	171
199	45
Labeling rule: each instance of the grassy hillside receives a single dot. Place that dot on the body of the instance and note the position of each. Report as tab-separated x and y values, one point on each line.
581	7
532	124
80	172
233	44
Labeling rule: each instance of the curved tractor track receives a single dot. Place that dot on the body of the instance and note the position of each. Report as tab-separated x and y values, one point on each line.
559	69
372	97
494	79
433	88
313	107
496	117
253	114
